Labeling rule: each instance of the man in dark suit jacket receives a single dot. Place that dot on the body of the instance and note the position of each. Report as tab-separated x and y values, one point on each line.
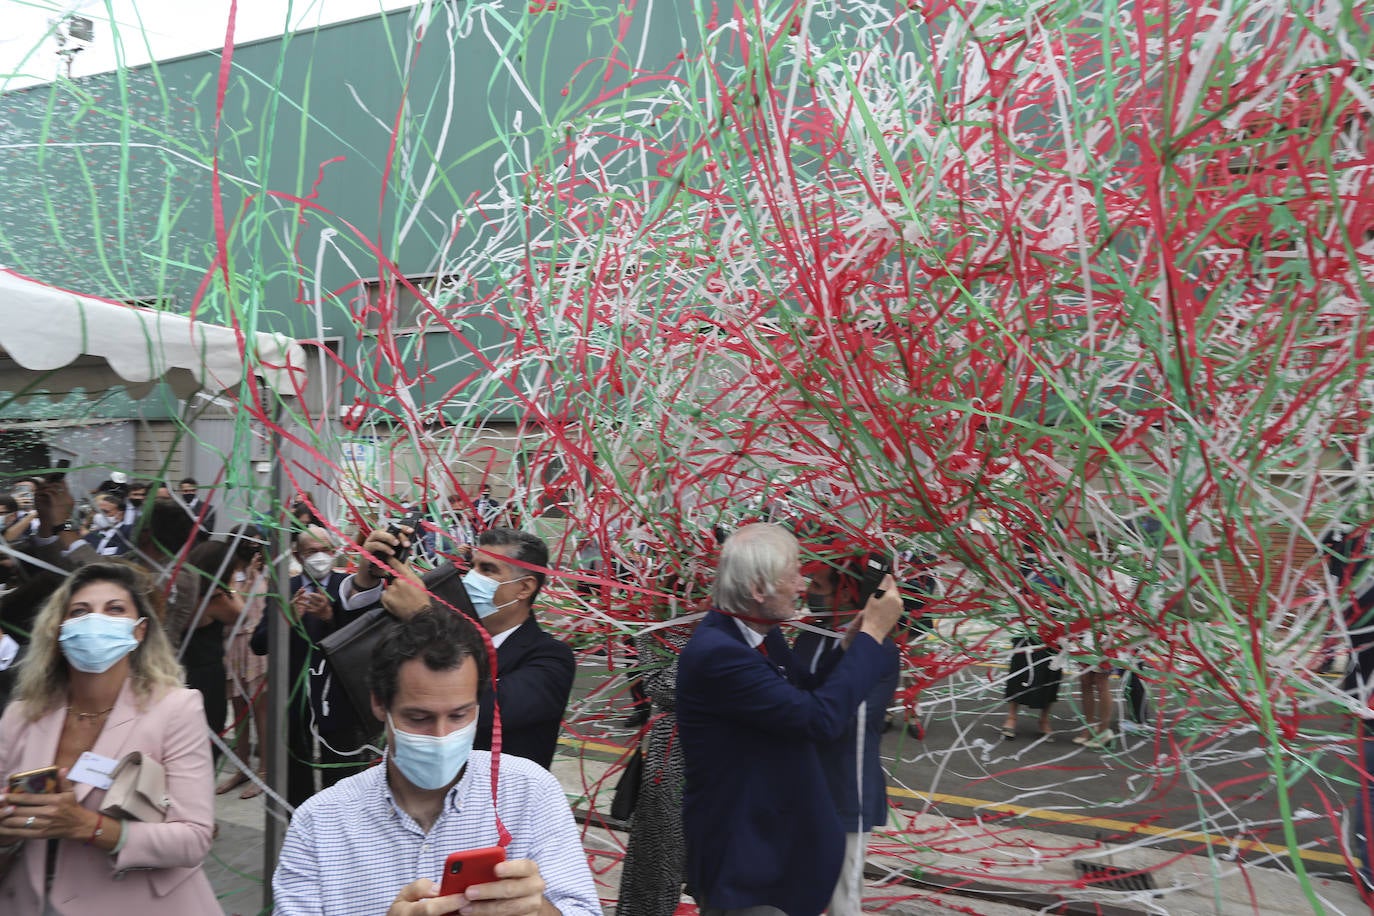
112	534
760	824
855	776
317	704
534	670
198	509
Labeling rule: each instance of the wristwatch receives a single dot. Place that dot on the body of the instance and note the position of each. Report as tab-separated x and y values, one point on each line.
65	526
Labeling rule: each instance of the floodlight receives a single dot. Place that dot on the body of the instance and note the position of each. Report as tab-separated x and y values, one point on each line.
80	28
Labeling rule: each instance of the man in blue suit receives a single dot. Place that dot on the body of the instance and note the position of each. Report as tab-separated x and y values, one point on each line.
763	834
854	771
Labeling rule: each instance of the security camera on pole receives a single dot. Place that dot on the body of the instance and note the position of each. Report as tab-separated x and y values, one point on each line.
74	35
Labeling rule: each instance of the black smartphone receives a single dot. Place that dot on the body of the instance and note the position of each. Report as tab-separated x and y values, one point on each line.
60	471
411	521
876	567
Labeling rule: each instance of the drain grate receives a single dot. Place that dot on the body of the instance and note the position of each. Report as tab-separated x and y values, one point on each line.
1110	877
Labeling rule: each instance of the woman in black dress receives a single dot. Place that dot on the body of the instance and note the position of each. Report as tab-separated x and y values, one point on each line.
1032	681
652	873
1033	673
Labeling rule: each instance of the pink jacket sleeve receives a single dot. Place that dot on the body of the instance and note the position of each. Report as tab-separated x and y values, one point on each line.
184	839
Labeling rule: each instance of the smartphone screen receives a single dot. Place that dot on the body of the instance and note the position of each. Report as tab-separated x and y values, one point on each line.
35	782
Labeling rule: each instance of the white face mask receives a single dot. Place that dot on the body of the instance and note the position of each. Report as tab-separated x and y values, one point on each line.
430	762
319	565
482	590
93	643
102	522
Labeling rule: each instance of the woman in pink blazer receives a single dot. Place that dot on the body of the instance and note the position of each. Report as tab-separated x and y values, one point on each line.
100	676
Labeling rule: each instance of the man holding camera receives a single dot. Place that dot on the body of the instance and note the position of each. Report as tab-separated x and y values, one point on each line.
763	833
534	670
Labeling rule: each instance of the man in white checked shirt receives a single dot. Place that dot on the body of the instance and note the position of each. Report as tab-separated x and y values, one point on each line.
376	843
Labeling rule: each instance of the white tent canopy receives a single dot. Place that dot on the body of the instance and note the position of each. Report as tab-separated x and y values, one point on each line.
54	342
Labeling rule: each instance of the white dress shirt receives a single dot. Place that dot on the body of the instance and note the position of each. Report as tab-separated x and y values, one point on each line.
350	849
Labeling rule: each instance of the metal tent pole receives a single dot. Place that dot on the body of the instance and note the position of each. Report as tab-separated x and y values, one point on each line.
278	660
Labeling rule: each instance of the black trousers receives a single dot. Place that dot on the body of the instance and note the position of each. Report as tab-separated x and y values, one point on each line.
212	682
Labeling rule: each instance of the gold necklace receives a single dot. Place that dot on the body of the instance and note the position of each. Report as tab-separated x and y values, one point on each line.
90	715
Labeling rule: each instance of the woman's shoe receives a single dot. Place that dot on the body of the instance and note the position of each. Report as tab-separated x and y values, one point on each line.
1101	742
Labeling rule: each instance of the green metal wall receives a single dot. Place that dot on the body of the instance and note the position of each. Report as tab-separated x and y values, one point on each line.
107	183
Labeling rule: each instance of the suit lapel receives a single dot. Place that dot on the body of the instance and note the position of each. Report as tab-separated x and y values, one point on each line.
726	623
116	733
41	749
731	626
517	642
779	653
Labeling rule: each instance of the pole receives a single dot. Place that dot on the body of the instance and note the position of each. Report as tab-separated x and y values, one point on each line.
278	659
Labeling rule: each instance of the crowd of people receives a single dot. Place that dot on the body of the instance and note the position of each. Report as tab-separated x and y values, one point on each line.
136	628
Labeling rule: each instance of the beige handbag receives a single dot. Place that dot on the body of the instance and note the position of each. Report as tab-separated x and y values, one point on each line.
138	790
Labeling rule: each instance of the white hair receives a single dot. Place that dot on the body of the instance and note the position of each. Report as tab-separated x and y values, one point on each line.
753	561
319	534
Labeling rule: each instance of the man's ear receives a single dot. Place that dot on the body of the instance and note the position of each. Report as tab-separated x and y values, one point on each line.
526	588
378	710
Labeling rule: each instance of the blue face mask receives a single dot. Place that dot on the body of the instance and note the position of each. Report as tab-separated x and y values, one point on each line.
430	762
482	589
93	643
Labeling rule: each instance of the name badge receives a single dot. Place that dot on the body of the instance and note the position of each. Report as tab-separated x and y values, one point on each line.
93	770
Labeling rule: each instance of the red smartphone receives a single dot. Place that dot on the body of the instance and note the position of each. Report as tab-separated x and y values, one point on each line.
471	866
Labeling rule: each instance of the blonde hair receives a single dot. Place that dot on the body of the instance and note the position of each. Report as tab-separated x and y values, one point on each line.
44	672
753	560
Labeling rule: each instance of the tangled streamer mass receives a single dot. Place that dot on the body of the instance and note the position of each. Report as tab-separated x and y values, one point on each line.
1018	291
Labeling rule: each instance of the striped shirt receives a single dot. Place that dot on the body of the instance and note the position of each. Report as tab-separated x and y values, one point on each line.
350	849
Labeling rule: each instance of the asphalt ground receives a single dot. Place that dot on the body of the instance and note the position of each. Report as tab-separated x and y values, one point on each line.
1009	877
1196	783
1162	823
